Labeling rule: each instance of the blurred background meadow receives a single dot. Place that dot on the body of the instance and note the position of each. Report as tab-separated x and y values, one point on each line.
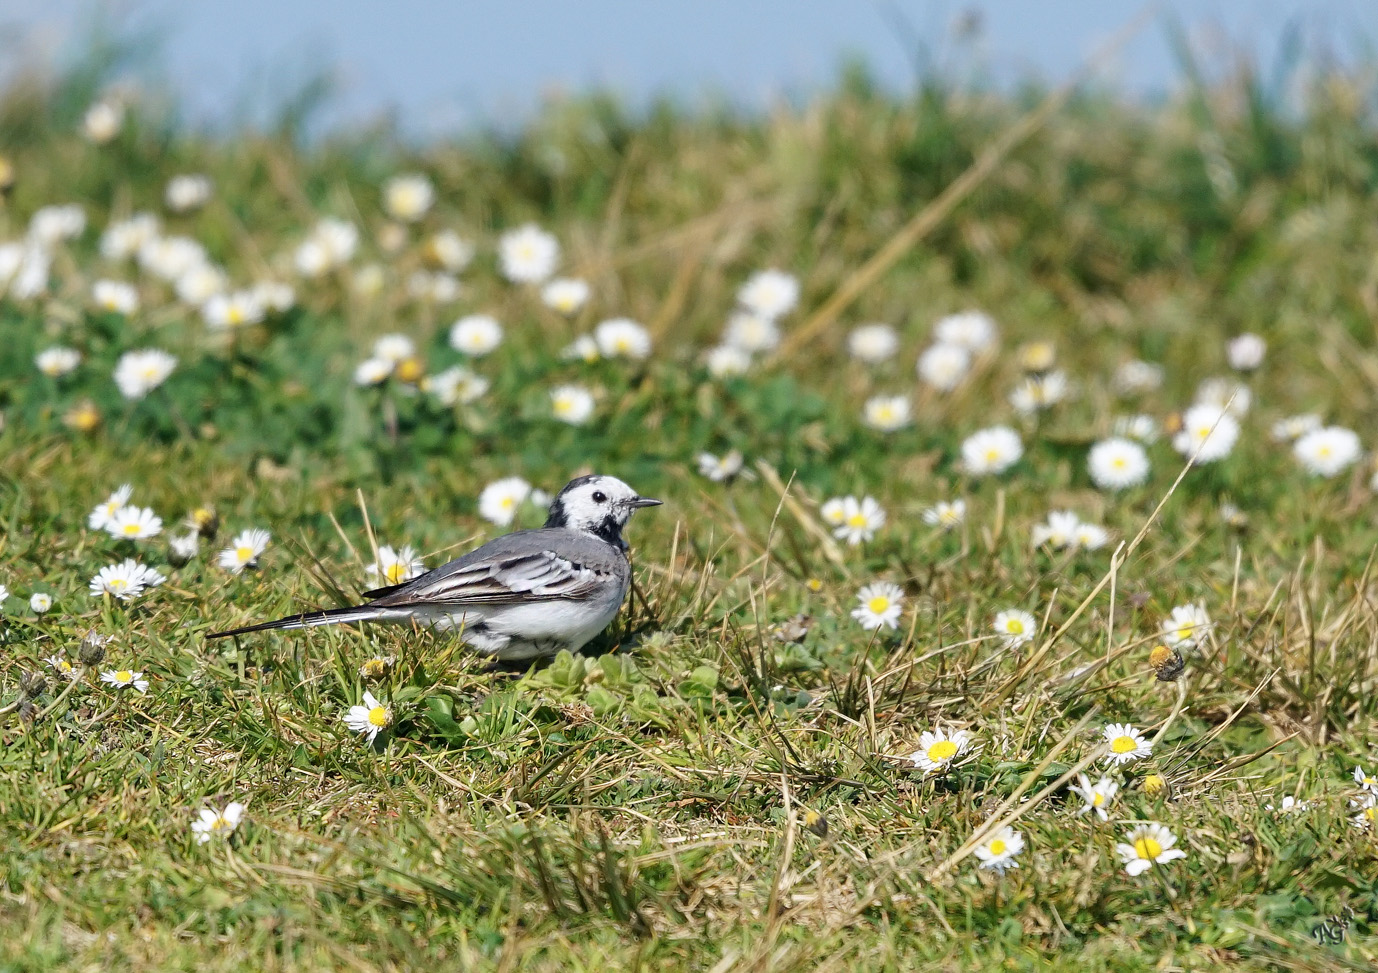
1008	374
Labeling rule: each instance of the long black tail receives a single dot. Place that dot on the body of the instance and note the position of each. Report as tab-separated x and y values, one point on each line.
329	616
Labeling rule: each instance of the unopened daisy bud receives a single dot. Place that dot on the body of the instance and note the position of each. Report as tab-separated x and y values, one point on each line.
83	417
376	667
1167	663
1154	785
31	684
92	650
814	584
28	712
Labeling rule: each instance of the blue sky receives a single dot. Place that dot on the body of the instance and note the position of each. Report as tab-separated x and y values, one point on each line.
442	65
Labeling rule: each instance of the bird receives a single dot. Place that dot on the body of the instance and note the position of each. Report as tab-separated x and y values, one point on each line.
527	594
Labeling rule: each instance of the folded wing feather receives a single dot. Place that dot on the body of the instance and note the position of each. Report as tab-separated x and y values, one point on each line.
541	574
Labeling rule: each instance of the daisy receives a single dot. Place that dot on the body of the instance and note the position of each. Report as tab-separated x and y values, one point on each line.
1245	353
29	276
1038	392
1126	744
275	295
210	823
973	330
726	360
880	606
172	256
1144	428
225	312
125	581
372	371
1015	627
1154	784
1187	626
997	852
750	332
946	514
499	500
61	666
1115	464
183	548
1148	845
125	678
57	361
938	749
582	348
394	348
40	602
455	385
1289	805
1137	376
565	294
1226	394
115	296
408	197
134	523
720	469
369	719
475	335
887	412
834	511
123	238
187	192
244	550
943	366
528	254
83	416
1294	427
1365	781
1037	356
396	566
1367	817
622	338
873	343
1090	537
1097	798
1208	433
50	225
377	667
1059	531
201	283
139	372
449	251
770	293
113	503
103	121
1327	452
860	520
991	451
571	403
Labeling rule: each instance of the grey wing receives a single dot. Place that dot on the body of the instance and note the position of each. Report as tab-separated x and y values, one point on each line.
501	578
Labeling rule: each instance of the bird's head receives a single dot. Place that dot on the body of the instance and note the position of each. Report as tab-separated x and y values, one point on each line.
599	505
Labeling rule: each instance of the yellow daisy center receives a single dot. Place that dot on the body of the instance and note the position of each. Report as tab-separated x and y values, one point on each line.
395	572
131	529
623	345
1124	744
1147	848
997	847
65	666
857	520
151	372
124	675
1014	626
507	503
1097	799
1323	452
235	314
219	824
1371	813
379	716
992	455
117	584
244	554
878	604
1119	462
942	750
1153	784
1185	632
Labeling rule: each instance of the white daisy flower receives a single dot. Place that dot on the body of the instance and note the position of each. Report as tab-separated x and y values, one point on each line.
139	372
182	549
726	360
1209	429
61	666
582	348
169	257
1294	427
1367	818
991	451
396	566
939	748
103	121
123	238
1288	805
455	385
372	371
50	225
125	581
1035	393
571	403
860	520
528	254
370	719
943	366
568	295
1328	452
198	285
622	338
40	602
1142	427
476	335
873	343
56	362
751	333
1091	537
1059	531
946	514
449	250
1366	782
394	348
887	412
880	605
1126	744
125	679
834	511
210	823
1187	627
999	850
1227	394
275	295
719	469
973	330
244	550
500	499
1137	376
770	293
1098	797
237	309
1015	627
134	523
115	296
187	192
1245	353
408	197
1148	845
104	511
1115	464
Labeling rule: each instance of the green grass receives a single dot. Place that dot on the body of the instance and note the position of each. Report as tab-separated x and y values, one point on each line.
644	807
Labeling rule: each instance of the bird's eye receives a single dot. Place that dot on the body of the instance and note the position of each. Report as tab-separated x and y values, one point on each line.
599	496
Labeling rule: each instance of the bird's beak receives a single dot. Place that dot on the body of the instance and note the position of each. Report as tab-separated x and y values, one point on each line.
643	502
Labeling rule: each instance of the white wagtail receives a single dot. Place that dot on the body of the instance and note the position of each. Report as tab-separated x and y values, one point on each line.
525	594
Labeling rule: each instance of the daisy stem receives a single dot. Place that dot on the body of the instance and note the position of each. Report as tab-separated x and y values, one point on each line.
76	678
1176	709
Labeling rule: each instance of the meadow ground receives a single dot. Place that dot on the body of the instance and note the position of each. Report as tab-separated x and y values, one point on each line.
741	774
